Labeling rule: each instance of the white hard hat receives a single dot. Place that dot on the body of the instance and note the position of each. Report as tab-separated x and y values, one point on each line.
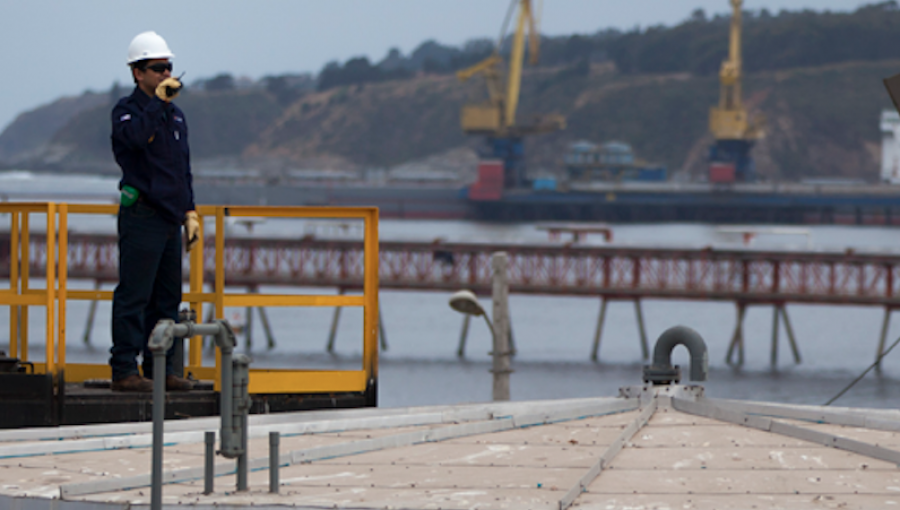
148	45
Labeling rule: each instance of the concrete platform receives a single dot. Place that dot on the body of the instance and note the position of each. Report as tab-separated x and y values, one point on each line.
663	447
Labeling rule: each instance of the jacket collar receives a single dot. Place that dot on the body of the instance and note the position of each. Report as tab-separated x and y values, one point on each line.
140	97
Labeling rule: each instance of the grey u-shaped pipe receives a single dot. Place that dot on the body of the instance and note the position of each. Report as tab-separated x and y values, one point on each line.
682	335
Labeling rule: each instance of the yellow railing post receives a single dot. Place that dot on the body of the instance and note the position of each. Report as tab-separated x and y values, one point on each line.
63	281
195	354
14	284
25	271
370	292
220	282
51	287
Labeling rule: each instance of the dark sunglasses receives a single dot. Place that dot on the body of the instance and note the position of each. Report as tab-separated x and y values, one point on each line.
160	67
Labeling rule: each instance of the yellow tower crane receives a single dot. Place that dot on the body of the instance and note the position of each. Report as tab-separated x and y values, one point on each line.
496	117
734	132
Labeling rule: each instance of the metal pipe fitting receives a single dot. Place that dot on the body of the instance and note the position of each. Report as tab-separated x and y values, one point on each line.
161	339
662	371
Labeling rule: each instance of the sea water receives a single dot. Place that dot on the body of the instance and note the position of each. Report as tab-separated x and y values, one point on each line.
553	334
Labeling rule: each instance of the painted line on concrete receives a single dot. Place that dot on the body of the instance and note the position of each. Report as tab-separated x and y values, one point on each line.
609	454
608	406
776	427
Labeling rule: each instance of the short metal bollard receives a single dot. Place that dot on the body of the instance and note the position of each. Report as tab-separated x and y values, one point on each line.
274	440
209	473
240	408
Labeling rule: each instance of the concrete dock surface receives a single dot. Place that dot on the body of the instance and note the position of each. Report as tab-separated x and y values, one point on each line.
650	448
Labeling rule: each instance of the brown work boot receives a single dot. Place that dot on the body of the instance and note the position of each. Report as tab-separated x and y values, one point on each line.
175	383
133	382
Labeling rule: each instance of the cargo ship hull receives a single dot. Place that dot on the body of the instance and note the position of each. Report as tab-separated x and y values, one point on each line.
615	203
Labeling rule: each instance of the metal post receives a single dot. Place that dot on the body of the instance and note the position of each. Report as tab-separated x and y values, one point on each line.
273	462
596	348
382	335
512	336
501	367
645	348
463	336
159	415
885	325
209	472
774	354
92	312
241	380
790	333
737	339
332	333
264	319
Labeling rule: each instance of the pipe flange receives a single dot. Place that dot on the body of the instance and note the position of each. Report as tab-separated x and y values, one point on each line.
659	375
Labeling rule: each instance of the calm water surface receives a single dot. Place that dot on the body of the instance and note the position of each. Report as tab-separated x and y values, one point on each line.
554	334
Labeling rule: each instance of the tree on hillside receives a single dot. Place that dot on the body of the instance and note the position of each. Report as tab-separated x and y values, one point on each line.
220	82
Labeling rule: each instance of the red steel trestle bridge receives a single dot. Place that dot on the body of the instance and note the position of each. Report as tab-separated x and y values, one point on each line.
744	277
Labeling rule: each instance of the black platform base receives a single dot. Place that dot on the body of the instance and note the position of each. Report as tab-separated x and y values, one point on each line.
32	401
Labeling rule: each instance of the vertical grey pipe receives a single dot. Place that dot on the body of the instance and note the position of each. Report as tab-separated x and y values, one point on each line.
159	415
243	461
226	402
209	473
274	462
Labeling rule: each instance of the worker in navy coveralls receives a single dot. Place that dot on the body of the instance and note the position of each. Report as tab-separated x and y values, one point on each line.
150	144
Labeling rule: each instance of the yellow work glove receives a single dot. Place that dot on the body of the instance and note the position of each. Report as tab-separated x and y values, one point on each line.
191	230
168	89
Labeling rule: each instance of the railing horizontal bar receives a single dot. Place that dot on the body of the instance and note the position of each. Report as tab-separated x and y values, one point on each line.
299	212
291	300
98	295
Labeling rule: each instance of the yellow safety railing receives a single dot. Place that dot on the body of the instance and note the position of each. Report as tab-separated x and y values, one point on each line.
55	295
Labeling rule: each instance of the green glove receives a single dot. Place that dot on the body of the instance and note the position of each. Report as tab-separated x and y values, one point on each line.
129	196
168	89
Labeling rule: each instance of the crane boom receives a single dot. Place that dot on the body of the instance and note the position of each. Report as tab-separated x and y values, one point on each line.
729	121
516	57
497	116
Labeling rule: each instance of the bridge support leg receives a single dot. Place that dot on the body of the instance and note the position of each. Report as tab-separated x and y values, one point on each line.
596	347
463	336
92	312
790	333
382	336
332	333
267	328
737	339
885	325
512	337
773	358
645	348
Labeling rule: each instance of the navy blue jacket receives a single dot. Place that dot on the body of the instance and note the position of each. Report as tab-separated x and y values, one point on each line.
150	143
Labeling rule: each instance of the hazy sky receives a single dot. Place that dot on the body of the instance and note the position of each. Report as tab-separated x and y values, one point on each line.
62	47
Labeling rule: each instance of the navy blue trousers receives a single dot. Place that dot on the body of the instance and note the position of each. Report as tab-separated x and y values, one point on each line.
149	287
